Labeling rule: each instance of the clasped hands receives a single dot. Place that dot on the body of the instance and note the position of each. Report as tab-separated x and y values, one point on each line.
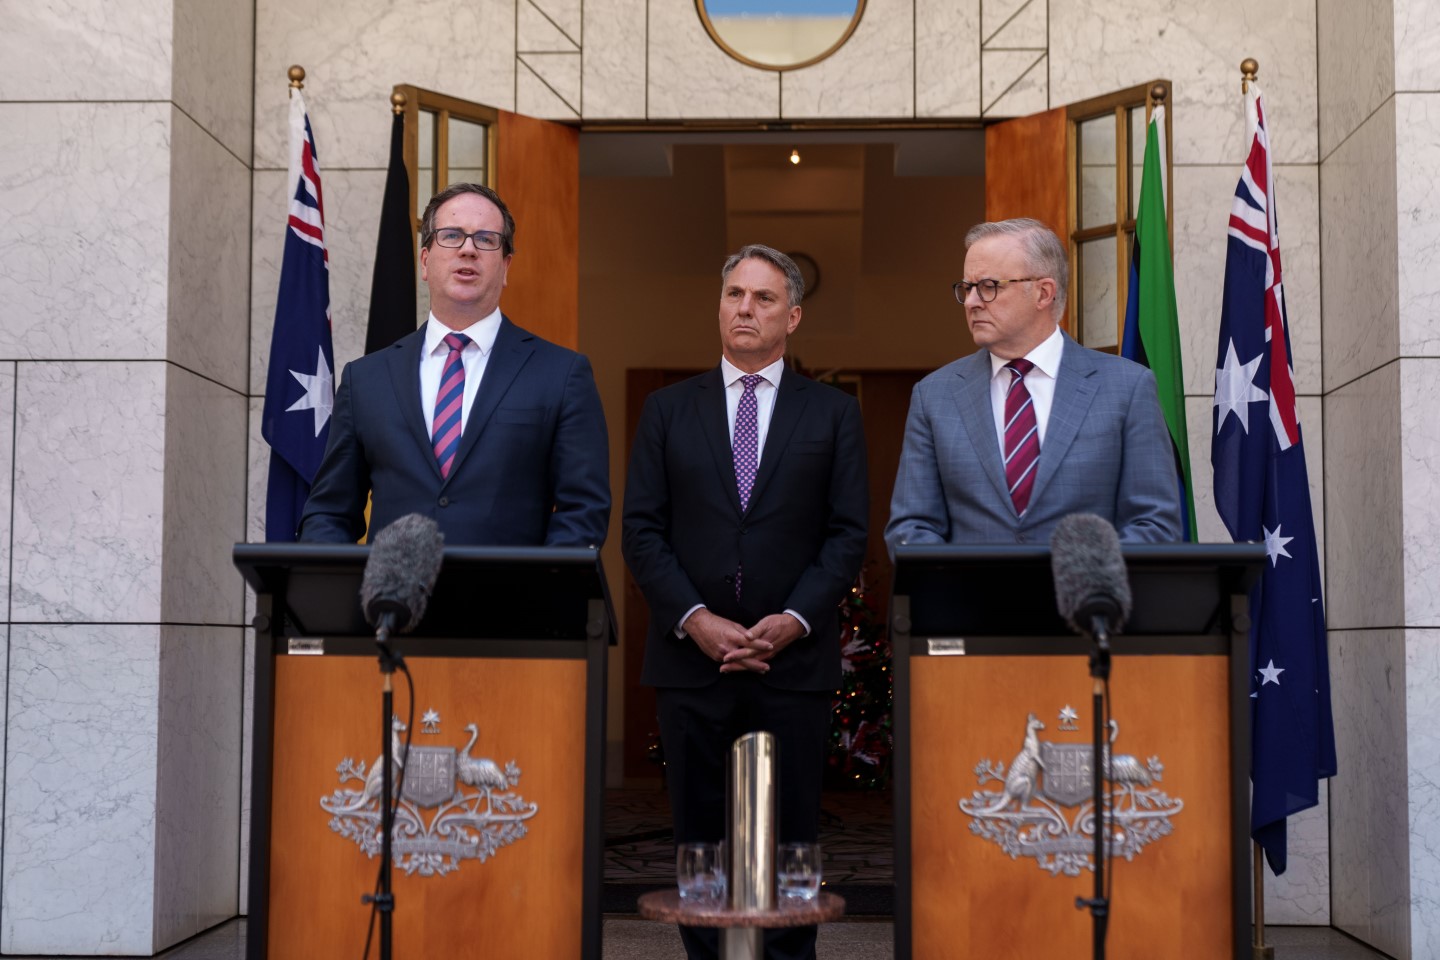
737	649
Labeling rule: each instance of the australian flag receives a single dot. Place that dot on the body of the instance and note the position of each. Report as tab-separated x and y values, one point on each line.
300	389
1263	494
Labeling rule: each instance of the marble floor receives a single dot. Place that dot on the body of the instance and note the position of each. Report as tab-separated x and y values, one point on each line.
627	938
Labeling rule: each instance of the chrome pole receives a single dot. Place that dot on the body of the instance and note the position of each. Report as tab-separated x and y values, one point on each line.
750	841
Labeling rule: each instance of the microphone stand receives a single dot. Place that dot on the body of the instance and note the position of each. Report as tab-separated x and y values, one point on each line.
383	898
1099	905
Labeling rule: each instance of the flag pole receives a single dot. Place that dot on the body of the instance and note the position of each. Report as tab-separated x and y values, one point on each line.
296	73
1260	950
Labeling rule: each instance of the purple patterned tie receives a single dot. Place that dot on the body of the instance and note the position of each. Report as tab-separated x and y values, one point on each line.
746	447
445	434
1022	436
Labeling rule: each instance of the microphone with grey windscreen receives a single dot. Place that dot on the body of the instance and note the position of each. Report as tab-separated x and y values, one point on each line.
1092	587
404	561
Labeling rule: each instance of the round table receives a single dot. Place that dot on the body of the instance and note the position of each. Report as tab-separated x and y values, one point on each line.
667	907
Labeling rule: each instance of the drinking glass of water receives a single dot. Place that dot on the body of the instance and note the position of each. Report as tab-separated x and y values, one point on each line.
699	873
798	872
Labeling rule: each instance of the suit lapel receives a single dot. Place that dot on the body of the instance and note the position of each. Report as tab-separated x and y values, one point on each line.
404	363
512	348
715	425
1075	388
789	405
972	396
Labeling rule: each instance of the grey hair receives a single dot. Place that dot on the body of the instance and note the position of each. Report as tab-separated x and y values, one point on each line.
1044	253
794	283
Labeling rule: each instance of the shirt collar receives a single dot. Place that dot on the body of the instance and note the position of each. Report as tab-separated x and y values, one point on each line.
1046	356
482	333
730	373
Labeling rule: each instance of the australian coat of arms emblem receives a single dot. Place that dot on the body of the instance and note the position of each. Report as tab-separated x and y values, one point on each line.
1044	807
452	807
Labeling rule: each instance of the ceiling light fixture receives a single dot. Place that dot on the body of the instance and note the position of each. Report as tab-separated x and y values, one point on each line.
795	156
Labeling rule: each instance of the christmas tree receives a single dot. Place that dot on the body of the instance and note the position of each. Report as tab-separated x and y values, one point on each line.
861	744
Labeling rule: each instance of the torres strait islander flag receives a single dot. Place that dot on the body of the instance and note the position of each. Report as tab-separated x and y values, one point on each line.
1263	494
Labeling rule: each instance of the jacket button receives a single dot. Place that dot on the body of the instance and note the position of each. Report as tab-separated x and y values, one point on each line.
742	531
729	578
1019	537
444	501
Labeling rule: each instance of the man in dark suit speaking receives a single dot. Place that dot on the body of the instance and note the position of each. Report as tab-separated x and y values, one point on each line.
744	525
1004	443
491	431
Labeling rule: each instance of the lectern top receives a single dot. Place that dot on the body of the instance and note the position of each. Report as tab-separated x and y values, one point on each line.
1179	589
513	592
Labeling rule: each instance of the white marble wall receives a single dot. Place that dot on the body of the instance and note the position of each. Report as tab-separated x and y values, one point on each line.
79	858
206	319
1380	154
1422	713
356	52
91	433
947	69
125	181
872	75
1417	150
198	779
84	183
1370	857
1097	46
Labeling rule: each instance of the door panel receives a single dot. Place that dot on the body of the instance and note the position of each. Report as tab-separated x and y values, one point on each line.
537	172
1025	170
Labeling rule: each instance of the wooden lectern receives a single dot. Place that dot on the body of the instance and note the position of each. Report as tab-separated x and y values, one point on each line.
499	838
994	758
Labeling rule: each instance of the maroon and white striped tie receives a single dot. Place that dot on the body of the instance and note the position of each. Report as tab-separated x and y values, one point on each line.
1022	437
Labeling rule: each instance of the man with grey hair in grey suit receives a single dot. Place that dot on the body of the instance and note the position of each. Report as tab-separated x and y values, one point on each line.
1002	444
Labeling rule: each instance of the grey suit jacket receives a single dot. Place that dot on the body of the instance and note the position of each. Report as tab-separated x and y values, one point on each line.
1106	451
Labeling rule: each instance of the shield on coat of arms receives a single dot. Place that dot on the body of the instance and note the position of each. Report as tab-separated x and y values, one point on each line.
1069	775
429	775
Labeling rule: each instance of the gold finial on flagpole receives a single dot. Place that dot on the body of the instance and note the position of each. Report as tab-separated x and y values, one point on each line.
1159	92
296	73
397	103
1249	67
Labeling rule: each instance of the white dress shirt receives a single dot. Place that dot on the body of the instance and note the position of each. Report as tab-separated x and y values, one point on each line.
482	334
765	392
764	399
1040	382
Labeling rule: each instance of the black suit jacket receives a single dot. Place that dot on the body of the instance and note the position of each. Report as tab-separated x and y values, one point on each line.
801	540
533	466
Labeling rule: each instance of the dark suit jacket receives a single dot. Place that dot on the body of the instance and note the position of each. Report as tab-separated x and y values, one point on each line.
1106	451
533	465
802	539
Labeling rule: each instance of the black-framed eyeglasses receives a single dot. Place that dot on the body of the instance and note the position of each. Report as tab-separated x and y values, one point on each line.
987	288
454	237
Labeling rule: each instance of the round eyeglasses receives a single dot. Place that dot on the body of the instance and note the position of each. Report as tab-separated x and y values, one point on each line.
987	288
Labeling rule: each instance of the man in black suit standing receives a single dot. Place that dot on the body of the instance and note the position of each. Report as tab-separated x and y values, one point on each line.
744	524
486	428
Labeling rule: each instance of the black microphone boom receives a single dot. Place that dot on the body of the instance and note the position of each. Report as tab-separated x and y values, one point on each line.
404	561
1092	593
1092	587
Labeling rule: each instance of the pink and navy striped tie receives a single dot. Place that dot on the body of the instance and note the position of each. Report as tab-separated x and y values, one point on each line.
445	436
1022	436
